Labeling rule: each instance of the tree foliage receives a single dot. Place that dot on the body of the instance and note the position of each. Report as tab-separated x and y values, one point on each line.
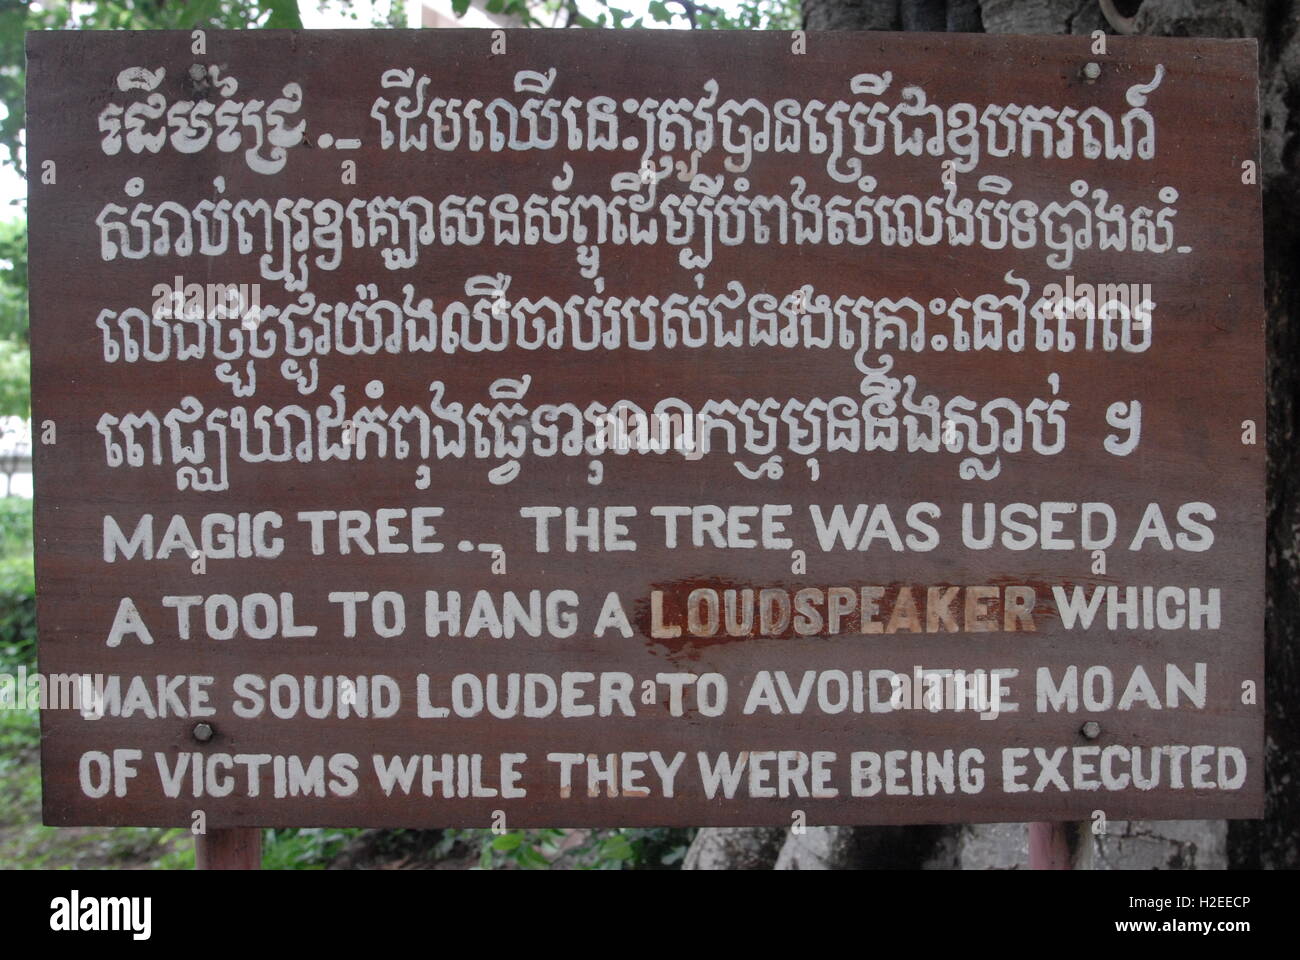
15	379
13	280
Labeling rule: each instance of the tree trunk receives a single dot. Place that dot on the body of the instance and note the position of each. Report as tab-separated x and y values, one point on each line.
1275	841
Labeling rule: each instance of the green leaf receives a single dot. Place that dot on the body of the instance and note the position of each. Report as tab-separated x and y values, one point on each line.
507	841
459	7
15	382
196	14
616	848
530	859
284	14
660	12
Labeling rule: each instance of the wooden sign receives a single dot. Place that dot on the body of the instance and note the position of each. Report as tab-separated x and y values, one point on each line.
476	428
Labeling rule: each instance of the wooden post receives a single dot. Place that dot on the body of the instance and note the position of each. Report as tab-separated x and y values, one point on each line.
1049	846
237	848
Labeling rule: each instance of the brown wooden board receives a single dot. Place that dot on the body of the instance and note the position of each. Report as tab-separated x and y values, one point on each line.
923	192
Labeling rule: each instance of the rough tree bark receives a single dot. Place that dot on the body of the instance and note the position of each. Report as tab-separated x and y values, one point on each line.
1275	841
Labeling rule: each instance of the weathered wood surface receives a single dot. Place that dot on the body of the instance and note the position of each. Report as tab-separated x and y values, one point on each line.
1199	382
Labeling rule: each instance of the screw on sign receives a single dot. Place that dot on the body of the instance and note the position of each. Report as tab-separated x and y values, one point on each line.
749	433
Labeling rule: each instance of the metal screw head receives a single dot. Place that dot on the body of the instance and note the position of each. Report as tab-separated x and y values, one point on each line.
203	732
1091	730
1092	71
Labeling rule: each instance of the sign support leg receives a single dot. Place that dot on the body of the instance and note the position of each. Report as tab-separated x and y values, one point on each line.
1049	846
237	848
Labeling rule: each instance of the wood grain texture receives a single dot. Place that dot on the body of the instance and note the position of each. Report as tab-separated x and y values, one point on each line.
1201	380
